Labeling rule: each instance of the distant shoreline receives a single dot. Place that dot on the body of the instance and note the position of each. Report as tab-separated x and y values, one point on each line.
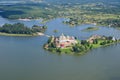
25	19
35	34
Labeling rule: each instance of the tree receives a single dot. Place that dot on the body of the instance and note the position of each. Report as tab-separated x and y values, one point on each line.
103	43
95	41
59	50
19	28
49	40
109	38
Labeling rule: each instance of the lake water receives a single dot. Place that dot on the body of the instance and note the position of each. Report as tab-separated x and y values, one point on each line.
10	2
23	58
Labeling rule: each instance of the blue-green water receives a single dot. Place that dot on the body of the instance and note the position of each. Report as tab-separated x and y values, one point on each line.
23	58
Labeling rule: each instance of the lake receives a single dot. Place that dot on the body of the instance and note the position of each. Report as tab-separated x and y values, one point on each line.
23	58
10	2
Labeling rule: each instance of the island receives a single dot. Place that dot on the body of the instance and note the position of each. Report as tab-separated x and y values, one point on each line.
19	29
71	45
90	29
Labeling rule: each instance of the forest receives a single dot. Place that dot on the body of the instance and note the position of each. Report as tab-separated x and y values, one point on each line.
19	28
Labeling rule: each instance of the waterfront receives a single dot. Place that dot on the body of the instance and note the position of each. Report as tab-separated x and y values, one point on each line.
23	58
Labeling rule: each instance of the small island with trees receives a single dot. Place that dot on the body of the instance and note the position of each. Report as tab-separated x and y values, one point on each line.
19	29
71	45
90	29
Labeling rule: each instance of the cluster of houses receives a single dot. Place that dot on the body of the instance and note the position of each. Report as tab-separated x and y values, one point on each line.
93	37
64	41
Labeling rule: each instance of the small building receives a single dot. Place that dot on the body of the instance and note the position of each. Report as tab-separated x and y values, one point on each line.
93	37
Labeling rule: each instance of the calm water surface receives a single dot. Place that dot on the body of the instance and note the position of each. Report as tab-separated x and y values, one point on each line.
23	58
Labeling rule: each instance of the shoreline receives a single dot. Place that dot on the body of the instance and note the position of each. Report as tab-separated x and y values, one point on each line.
25	19
35	34
40	34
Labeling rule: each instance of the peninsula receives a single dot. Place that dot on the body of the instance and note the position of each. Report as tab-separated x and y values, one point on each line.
19	29
71	45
